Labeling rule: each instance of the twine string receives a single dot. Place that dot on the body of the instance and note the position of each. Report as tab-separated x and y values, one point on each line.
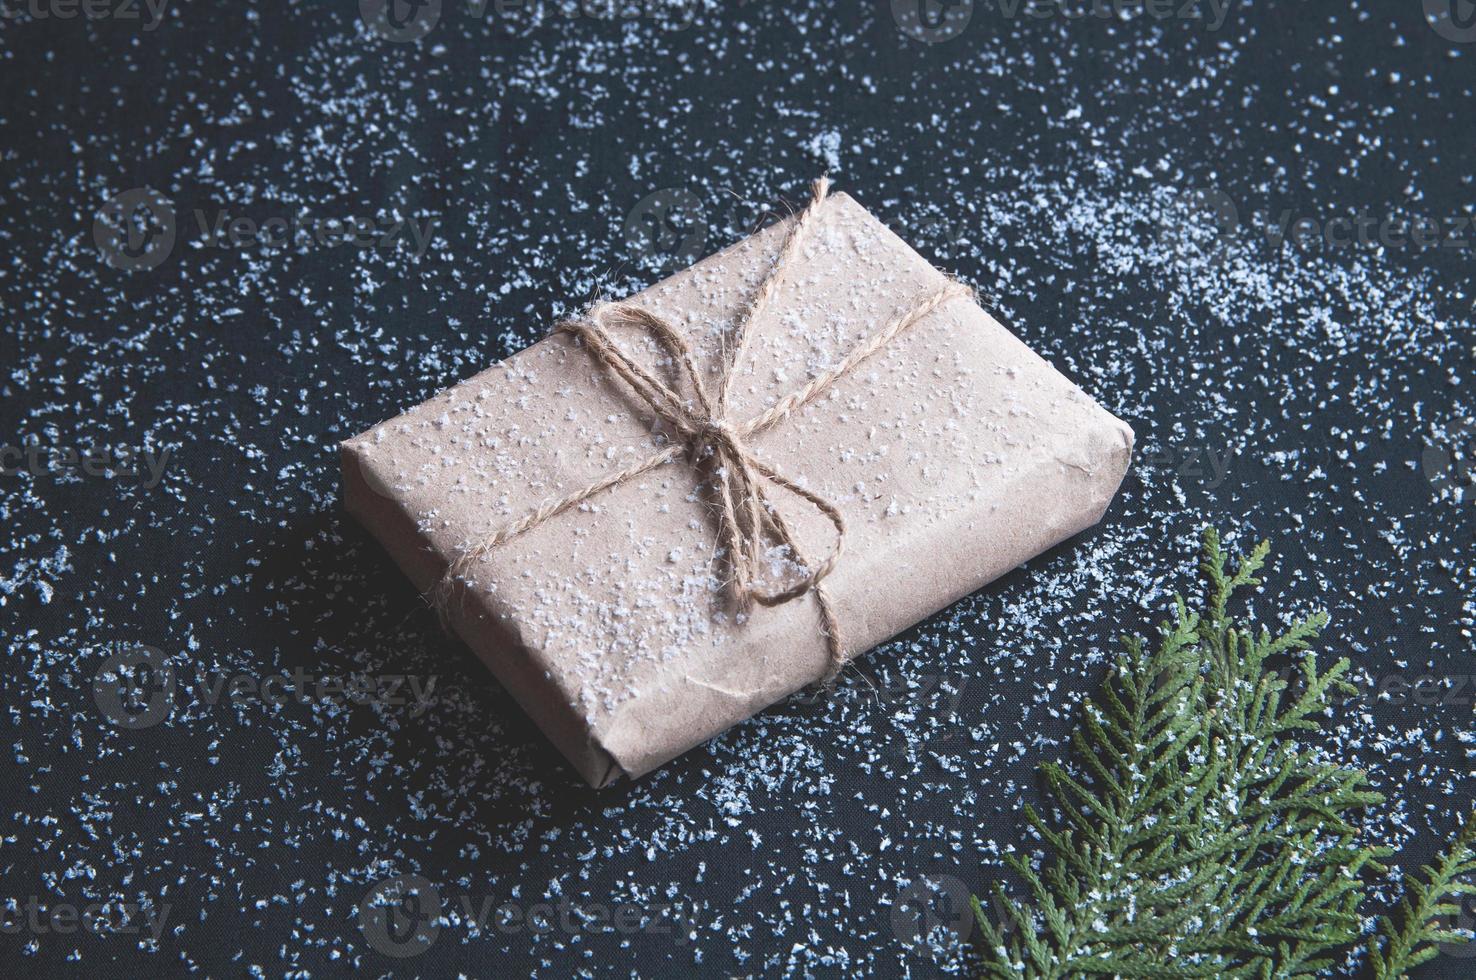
746	516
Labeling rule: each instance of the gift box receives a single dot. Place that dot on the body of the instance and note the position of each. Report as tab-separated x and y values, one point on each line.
674	511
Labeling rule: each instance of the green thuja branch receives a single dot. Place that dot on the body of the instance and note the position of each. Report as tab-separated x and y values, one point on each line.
1416	940
1189	834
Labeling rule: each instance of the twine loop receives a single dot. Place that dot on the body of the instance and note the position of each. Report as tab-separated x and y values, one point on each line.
746	516
752	532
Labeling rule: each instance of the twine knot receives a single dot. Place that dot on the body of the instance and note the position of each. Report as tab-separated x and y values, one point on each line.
754	536
749	525
711	439
711	432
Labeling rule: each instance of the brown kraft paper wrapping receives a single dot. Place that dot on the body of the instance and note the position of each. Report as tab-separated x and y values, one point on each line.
954	454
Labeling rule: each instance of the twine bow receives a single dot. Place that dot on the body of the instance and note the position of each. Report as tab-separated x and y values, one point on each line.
740	482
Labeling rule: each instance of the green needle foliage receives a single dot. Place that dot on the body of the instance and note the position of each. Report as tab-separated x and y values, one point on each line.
1191	834
1416	940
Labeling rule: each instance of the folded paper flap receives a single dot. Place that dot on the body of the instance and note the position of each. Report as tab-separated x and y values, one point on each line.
955	453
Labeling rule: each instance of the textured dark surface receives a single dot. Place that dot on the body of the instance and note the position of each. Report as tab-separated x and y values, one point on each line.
1082	172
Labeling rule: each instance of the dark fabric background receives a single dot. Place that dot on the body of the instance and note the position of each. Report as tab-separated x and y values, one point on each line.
1076	169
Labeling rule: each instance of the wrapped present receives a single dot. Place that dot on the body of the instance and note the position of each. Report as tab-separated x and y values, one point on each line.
680	508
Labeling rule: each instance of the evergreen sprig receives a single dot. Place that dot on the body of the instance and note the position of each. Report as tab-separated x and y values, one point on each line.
1420	931
1191	834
